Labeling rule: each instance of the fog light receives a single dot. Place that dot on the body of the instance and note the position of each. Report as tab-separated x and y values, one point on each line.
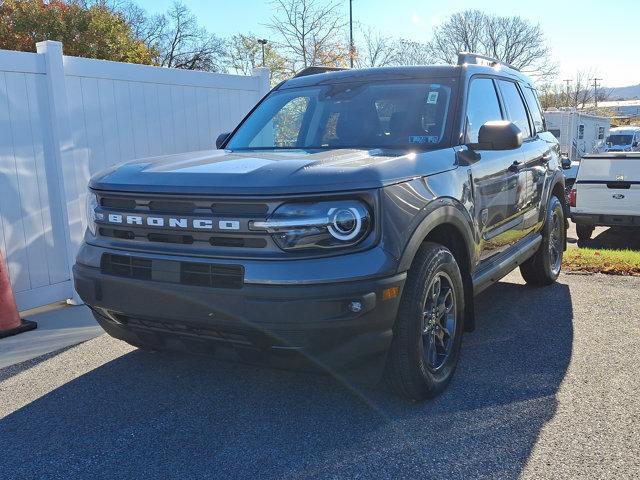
355	306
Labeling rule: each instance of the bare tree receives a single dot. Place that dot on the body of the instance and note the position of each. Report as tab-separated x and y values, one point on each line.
509	39
578	93
462	32
182	43
375	49
175	36
408	52
309	33
147	28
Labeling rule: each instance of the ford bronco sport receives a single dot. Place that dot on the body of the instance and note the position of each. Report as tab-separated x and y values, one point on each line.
349	219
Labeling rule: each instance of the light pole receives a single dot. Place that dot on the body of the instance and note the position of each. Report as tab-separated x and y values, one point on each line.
351	48
568	81
262	42
595	91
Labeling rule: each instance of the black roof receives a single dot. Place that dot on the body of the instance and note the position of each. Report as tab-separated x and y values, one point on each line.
405	72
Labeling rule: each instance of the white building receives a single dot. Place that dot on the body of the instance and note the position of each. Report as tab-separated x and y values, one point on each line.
579	133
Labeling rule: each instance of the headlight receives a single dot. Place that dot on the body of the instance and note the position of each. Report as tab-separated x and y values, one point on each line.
91	206
296	226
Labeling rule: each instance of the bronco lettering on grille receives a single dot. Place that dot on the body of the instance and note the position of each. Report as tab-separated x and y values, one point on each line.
168	222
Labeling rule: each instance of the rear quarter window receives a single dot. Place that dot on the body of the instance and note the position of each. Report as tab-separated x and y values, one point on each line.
531	98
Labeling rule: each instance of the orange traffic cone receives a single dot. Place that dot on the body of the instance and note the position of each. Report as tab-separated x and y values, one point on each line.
10	321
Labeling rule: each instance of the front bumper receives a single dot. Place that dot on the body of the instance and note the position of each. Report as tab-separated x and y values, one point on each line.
605	220
280	325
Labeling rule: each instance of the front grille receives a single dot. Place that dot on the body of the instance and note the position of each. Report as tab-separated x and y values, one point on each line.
238	242
240	208
209	275
117	203
241	335
185	273
125	266
228	222
117	233
168	238
164	206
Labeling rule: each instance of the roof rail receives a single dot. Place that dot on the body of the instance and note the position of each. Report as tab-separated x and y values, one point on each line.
317	69
477	59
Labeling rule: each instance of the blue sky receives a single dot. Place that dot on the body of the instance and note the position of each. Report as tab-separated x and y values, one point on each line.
582	34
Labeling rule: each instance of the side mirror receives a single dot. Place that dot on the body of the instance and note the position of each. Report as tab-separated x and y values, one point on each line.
566	163
221	138
498	135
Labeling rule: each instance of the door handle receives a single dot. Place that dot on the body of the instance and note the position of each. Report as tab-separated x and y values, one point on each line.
515	167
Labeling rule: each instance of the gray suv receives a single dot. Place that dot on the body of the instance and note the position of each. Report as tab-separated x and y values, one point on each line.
346	223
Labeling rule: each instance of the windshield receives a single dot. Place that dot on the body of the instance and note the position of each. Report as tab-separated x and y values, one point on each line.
408	114
619	139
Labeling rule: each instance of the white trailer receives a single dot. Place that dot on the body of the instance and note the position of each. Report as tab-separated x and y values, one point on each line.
579	133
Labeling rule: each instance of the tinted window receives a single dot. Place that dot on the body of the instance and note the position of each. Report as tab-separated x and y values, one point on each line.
395	114
534	108
515	107
482	107
618	139
283	129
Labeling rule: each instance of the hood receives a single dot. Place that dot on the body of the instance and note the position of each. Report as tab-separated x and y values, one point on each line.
260	172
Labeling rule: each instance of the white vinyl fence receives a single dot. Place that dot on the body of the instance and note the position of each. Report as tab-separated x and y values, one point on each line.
62	119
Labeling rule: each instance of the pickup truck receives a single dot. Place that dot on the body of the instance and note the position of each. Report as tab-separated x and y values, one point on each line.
606	192
348	220
623	139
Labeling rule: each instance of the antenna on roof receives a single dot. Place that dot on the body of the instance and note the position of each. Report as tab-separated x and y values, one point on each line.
477	59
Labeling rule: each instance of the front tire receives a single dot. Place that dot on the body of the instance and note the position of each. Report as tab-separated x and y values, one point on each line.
544	267
428	331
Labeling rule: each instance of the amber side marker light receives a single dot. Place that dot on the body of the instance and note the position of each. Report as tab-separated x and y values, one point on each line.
389	293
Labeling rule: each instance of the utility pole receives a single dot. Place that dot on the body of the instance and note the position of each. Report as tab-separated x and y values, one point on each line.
568	81
595	90
262	42
351	47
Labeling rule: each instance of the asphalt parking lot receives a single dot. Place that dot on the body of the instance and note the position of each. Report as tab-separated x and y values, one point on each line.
605	237
547	387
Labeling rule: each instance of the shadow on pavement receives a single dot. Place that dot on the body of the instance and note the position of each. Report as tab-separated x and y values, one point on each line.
165	415
614	238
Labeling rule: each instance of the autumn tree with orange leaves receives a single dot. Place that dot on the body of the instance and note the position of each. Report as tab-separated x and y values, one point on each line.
94	31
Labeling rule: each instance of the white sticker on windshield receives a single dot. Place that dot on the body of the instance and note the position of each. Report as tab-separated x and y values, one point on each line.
432	97
423	139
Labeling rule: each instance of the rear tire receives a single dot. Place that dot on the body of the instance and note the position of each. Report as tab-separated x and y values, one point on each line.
584	232
428	330
544	267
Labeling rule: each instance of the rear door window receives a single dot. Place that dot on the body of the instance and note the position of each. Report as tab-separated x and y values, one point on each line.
515	106
482	107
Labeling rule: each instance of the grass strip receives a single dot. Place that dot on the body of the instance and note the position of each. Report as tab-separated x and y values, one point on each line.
612	262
